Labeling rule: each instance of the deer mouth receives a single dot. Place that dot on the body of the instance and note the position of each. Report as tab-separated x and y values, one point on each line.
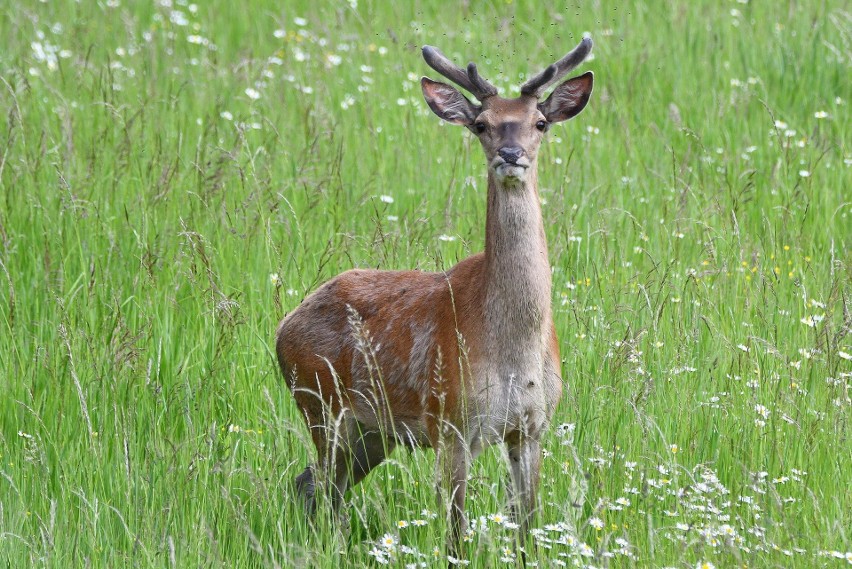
511	170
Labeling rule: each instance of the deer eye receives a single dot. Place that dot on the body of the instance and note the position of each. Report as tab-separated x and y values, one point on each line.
479	127
541	125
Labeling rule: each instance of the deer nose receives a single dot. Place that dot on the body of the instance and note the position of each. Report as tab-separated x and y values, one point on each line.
511	154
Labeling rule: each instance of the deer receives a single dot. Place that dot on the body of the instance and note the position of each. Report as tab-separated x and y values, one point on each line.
456	360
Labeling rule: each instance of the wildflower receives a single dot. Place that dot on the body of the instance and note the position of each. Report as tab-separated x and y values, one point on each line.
586	551
226	115
821	115
674	448
301	22
705	565
252	94
178	18
275	280
813	320
388	541
804	173
402	524
497	518
596	523
386	199
845	355
379	555
419	523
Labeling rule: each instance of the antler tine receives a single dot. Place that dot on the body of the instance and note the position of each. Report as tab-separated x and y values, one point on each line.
483	87
469	80
539	83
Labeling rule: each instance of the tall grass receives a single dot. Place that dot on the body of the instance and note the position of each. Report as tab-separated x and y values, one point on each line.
176	177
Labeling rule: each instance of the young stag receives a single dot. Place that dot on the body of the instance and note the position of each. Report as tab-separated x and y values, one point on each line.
455	360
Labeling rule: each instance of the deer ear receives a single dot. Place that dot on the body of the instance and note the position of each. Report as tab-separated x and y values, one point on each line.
568	99
448	103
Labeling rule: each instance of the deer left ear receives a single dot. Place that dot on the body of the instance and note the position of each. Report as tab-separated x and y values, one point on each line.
568	99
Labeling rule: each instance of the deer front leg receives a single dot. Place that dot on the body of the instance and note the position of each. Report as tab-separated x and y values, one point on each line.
452	469
524	465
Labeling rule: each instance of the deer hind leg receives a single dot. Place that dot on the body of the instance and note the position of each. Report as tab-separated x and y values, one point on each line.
338	456
524	453
332	436
306	489
370	450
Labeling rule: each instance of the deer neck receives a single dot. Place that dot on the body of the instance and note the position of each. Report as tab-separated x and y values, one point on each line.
517	270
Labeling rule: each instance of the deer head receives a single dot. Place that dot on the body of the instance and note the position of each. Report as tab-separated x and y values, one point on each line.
510	130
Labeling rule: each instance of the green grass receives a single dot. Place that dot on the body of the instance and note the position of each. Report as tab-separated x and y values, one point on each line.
699	220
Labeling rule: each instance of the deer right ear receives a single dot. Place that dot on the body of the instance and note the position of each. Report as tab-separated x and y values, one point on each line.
448	103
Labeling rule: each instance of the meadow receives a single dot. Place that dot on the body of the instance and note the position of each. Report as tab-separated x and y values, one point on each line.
176	176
